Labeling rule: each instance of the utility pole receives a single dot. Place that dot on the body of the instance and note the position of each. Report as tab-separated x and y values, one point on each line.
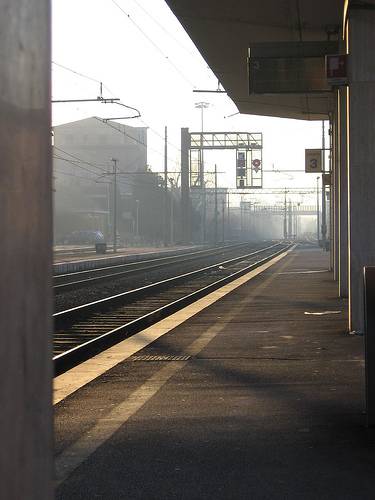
171	237
165	218
290	221
297	219
324	221
223	220
285	217
317	211
216	221
241	217
137	219
114	160
228	219
107	185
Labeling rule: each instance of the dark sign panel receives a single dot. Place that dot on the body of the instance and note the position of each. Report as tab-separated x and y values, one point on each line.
289	67
271	75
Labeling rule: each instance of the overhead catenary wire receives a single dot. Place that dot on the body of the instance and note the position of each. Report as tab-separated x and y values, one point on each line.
82	75
78	165
95	165
73	174
175	39
125	182
103	171
76	161
104	120
124	105
160	135
99	166
100	99
182	75
112	125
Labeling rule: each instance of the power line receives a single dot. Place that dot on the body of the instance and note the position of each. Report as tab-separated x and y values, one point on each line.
70	174
186	49
134	139
164	29
83	161
82	75
125	183
76	72
76	164
155	45
77	160
160	135
80	159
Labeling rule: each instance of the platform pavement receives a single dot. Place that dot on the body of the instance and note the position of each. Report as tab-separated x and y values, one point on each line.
270	404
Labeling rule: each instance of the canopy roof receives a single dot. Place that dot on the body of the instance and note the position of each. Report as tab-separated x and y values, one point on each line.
223	32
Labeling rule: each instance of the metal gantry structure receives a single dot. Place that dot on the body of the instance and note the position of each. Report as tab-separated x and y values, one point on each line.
248	147
249	167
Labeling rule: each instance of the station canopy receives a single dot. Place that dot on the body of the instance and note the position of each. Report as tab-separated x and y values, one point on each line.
224	31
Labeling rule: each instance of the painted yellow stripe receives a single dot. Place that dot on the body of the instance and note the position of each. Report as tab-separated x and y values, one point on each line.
72	457
77	377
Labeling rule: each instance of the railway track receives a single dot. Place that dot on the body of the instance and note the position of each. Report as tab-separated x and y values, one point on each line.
72	281
83	331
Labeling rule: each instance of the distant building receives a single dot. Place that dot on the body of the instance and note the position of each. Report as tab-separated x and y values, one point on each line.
83	173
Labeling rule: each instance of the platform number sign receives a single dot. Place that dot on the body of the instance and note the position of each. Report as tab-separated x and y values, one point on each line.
313	160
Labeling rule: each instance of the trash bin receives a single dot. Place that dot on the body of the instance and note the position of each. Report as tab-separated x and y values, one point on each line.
101	248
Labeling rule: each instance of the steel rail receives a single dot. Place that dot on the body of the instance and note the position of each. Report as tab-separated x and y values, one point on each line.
66	360
134	267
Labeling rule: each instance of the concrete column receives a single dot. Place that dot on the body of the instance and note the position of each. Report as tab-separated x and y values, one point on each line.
343	193
25	251
335	214
361	155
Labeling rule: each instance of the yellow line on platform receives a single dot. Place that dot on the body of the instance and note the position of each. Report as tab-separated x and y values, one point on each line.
77	377
72	457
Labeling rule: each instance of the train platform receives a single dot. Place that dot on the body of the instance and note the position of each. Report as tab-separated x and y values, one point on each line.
68	253
254	392
78	260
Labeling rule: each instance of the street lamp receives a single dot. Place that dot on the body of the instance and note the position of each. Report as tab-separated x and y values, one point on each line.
202	106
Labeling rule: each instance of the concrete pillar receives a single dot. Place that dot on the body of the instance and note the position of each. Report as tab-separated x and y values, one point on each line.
343	193
25	251
361	155
334	208
336	188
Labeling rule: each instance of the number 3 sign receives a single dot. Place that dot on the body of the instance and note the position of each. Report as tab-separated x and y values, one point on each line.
313	160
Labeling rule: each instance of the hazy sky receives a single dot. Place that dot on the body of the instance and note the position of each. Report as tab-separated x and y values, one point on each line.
149	61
